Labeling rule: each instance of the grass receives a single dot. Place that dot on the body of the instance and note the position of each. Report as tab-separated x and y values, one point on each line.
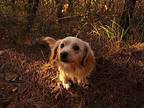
27	80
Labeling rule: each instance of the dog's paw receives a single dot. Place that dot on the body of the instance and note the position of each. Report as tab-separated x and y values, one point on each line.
67	86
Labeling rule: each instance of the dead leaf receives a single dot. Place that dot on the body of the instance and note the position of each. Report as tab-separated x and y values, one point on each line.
2	51
11	76
14	89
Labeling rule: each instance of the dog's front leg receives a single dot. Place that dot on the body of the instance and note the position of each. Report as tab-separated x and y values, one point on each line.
65	82
83	81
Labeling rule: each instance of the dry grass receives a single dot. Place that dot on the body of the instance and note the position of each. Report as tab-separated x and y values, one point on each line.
28	81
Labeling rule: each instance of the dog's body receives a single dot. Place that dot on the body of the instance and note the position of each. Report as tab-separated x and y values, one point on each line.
74	58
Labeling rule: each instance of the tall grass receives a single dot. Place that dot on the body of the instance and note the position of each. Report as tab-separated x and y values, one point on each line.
104	17
113	31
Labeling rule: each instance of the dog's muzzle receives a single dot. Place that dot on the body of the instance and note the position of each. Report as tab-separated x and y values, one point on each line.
64	56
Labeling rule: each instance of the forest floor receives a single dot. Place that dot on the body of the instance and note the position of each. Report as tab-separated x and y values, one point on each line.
28	81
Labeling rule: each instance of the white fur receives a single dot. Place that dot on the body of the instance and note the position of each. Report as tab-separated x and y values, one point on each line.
80	63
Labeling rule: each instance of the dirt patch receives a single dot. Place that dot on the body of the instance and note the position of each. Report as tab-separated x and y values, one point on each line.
28	81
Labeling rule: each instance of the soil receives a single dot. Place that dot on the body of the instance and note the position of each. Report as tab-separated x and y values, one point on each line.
28	81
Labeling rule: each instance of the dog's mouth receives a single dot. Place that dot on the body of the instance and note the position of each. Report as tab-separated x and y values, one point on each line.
65	60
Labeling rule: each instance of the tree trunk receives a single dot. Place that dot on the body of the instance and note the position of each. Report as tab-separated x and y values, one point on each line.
70	7
127	14
13	5
32	9
59	7
88	5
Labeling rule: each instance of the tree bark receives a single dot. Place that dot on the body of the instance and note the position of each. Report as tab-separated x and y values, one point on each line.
32	9
88	5
70	7
13	5
59	7
127	14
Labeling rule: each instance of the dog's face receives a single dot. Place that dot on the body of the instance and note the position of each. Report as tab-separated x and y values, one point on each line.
74	58
71	50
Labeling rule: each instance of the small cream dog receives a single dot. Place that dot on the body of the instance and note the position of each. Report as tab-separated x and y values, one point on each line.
73	57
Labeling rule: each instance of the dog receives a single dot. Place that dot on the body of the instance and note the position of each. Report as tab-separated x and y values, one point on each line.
73	57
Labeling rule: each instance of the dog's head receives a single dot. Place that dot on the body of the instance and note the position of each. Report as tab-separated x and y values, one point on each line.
69	50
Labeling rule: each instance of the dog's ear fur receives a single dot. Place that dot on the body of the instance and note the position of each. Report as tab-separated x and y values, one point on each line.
85	56
49	40
53	44
54	51
88	56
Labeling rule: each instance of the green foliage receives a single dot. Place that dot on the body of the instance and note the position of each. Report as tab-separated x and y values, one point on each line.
5	8
71	1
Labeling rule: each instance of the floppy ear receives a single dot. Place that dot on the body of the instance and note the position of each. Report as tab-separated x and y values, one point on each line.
54	51
49	40
85	56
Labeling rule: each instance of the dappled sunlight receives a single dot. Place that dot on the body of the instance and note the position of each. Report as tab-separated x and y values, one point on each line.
115	31
36	82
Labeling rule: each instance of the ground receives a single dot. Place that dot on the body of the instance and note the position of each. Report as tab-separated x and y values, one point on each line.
28	81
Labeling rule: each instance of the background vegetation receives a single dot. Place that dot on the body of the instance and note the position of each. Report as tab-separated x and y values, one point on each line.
68	17
114	29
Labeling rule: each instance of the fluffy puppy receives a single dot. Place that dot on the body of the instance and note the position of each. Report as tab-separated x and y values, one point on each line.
73	57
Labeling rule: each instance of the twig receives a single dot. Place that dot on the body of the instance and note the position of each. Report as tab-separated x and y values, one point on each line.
81	29
68	17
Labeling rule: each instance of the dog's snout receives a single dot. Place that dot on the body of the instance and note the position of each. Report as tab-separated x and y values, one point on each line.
64	56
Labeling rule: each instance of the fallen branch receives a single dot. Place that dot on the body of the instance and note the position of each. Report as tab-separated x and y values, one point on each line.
69	17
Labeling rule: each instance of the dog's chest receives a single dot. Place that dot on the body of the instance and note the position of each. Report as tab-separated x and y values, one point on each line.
69	71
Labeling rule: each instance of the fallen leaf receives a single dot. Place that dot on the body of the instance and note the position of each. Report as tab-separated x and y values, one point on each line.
14	89
11	76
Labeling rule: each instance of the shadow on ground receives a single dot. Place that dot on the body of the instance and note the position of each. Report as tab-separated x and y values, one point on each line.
28	81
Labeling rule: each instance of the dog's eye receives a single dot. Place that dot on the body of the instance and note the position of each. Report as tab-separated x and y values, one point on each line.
62	45
76	48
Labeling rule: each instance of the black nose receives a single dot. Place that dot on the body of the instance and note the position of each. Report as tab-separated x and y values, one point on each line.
64	56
